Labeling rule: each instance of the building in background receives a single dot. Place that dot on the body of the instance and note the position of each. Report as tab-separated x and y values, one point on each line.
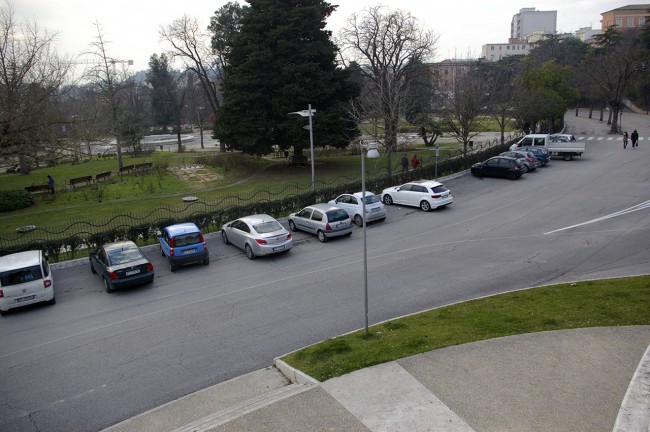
529	21
446	72
497	51
586	34
630	16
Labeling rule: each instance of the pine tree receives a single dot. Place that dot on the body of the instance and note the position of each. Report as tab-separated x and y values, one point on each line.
281	61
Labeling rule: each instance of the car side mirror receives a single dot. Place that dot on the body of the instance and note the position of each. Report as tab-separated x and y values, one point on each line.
398	188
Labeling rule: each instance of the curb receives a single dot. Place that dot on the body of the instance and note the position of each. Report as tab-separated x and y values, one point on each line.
293	374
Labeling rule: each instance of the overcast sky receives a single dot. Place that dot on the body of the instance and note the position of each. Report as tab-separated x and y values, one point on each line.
132	26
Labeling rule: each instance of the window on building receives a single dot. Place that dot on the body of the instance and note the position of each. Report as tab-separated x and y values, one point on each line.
446	71
492	48
508	47
630	22
619	22
641	21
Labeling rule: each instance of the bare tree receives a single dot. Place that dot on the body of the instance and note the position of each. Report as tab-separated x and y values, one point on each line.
466	111
192	47
110	84
384	43
31	77
619	57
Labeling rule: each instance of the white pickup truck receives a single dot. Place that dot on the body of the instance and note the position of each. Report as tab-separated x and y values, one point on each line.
562	145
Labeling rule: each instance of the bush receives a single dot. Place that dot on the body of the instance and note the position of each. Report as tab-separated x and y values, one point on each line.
15	200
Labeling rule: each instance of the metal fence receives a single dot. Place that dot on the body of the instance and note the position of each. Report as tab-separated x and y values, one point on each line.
74	238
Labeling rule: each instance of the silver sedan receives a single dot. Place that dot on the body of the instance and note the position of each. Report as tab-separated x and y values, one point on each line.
257	235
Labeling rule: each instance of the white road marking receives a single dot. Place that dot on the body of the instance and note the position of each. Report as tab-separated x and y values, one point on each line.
642	206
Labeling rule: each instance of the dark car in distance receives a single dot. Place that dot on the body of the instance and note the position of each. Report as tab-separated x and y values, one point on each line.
539	152
498	166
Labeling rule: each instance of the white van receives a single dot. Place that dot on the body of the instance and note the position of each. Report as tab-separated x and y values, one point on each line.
25	278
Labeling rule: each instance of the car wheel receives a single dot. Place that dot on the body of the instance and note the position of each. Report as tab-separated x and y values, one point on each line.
107	286
568	156
478	173
388	199
321	236
292	225
52	301
249	252
92	269
425	206
224	236
382	219
172	266
524	168
3	313
348	234
511	176
206	261
358	220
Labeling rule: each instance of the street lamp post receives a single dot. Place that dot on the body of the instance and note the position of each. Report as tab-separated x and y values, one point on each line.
372	153
309	113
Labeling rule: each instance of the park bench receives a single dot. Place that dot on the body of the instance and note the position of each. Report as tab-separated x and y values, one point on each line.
103	176
126	169
78	180
37	188
143	166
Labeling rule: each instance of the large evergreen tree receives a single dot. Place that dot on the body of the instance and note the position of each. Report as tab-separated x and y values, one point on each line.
282	60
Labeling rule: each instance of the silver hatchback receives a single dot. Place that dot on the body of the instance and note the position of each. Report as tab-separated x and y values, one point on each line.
324	220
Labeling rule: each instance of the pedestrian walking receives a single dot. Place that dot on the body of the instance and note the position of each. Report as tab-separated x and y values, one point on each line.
635	138
50	183
405	163
415	162
625	139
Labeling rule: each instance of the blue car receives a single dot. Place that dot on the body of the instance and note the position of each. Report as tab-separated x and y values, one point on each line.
183	244
540	153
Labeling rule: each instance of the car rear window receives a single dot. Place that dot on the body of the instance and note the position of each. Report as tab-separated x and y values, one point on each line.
124	256
186	239
22	275
268	227
337	215
371	199
439	189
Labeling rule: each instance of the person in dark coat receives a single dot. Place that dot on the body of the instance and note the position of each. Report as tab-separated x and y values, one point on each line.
635	138
625	139
405	163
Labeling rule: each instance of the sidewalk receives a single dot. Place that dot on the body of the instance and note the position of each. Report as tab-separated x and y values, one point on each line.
570	380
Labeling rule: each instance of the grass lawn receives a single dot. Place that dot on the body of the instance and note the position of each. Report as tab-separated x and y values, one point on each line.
614	302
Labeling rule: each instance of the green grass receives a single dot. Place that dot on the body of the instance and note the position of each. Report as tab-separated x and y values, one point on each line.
615	302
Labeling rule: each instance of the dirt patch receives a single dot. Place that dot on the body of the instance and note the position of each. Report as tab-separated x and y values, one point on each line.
195	173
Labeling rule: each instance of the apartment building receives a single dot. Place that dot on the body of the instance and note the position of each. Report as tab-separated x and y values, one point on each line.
497	51
446	72
529	20
629	16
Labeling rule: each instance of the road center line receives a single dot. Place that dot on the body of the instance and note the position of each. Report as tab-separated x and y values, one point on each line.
642	206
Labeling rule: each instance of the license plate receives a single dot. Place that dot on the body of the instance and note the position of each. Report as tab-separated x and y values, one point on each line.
24	299
278	248
374	210
189	251
132	272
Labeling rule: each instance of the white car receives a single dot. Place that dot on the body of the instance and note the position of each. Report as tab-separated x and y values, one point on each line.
324	220
25	278
352	204
426	194
257	235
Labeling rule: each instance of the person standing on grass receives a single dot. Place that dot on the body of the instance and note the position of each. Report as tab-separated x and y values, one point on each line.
415	162
405	163
50	183
625	139
635	138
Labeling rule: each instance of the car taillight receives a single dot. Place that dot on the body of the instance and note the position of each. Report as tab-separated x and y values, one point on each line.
47	283
436	196
149	267
113	275
171	246
261	241
529	159
289	236
202	241
2	294
327	227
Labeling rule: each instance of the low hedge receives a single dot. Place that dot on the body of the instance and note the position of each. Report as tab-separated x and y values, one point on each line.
15	200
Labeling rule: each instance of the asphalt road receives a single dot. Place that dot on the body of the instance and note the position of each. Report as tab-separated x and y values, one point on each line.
95	359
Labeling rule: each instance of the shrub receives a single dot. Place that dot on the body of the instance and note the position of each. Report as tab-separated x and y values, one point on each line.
15	200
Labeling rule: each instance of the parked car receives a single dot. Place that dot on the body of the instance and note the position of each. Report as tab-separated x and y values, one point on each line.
498	166
426	194
540	153
352	204
257	235
183	244
528	160
324	220
562	138
120	265
25	278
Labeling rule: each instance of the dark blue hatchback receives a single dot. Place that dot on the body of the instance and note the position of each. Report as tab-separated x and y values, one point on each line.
183	244
540	153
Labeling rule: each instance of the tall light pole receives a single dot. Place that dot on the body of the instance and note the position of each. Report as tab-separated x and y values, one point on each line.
309	113
372	153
